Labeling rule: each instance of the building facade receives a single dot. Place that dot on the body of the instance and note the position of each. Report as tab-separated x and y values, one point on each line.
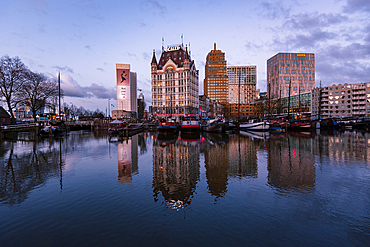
242	90
215	80
292	73
340	101
126	89
175	83
209	107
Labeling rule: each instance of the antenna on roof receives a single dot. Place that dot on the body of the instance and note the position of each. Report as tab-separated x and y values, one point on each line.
162	44
189	49
182	40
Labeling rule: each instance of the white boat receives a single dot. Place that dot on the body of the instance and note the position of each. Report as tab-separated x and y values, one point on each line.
254	126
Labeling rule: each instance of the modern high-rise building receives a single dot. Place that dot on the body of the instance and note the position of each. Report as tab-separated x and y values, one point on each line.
294	70
215	80
175	83
126	88
242	82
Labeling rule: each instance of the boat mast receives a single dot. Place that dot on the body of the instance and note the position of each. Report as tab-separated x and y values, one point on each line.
269	85
59	92
290	84
299	100
320	96
239	94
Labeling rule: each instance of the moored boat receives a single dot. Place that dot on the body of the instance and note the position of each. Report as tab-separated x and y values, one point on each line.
116	126
252	125
211	125
302	125
190	124
167	126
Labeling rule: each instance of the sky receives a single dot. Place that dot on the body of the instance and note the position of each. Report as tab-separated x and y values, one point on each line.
84	39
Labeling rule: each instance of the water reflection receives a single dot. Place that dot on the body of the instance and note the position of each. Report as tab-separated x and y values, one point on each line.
127	156
175	169
290	162
26	166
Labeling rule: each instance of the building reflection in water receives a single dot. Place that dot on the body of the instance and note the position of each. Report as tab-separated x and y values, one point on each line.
291	163
175	168
243	156
339	146
127	151
228	157
216	157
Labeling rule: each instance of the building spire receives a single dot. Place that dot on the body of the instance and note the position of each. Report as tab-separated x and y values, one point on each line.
154	60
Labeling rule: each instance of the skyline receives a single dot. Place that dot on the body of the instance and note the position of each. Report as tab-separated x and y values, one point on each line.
84	40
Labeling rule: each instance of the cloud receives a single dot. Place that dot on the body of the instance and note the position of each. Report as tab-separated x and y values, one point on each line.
101	92
314	20
88	47
71	88
274	10
340	41
147	56
131	55
253	46
64	69
357	6
100	69
154	6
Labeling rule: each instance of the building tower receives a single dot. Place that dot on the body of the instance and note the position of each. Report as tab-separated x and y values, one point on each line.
126	89
295	69
242	82
174	83
215	80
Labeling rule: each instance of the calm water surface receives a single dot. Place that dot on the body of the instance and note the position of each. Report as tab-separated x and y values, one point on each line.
89	189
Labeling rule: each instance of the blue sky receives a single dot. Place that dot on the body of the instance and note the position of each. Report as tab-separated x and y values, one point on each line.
84	39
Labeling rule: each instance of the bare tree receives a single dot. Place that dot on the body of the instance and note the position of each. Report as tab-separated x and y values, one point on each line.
12	77
38	92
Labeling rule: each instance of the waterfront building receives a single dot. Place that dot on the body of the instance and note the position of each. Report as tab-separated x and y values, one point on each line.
126	84
342	100
175	83
140	106
215	80
209	107
4	116
294	70
242	90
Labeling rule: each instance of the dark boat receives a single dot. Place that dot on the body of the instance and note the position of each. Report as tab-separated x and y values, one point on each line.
167	126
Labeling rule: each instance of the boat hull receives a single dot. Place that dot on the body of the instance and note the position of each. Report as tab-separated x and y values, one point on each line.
167	128
260	126
214	127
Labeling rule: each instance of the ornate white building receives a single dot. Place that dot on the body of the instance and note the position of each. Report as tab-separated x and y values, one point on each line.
175	83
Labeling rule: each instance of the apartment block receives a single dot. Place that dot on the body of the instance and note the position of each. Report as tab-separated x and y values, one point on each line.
342	100
242	81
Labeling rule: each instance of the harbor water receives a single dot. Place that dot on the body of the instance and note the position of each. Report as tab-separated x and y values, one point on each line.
247	189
